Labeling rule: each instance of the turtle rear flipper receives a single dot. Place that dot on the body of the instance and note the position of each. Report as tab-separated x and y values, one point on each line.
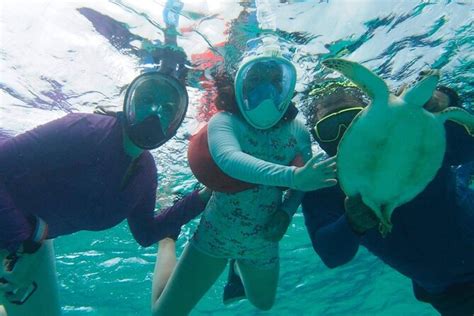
365	79
459	116
383	212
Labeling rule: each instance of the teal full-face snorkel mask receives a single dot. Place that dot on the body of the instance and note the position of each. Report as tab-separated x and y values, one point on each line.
154	108
264	86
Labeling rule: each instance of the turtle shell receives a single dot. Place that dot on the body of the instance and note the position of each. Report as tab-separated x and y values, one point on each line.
389	154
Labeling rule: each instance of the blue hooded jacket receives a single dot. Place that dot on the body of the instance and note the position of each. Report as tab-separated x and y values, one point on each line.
432	241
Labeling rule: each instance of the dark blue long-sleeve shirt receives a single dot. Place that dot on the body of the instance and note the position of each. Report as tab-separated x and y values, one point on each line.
432	241
69	172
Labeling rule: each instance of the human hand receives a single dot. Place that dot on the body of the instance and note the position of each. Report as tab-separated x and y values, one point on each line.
17	270
5	285
360	216
316	175
205	194
276	226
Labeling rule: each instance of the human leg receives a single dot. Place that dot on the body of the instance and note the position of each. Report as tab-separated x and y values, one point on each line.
234	289
44	300
165	263
194	274
3	312
260	283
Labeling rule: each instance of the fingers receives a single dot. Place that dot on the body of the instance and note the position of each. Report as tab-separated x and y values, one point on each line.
274	235
326	163
330	170
5	286
316	174
318	156
329	183
275	229
315	159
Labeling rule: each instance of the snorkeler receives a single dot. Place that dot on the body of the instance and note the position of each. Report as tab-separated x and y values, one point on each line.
85	172
254	139
154	54
432	241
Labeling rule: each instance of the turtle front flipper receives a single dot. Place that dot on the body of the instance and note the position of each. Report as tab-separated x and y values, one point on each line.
459	116
365	79
423	90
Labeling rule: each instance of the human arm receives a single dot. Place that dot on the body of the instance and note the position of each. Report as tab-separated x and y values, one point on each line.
279	222
331	235
20	239
48	147
148	228
14	226
459	144
227	153
18	269
359	216
292	198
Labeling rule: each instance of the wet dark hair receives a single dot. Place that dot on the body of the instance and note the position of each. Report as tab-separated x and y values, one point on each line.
453	96
331	101
225	100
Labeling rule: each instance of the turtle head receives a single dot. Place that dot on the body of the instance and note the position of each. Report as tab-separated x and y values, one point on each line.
423	89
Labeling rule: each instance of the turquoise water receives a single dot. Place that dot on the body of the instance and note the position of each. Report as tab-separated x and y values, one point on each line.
56	59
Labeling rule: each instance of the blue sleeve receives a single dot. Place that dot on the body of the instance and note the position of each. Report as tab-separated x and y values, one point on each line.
459	144
147	227
332	237
225	149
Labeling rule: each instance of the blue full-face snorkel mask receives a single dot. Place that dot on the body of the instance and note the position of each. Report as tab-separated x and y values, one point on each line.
154	108
264	86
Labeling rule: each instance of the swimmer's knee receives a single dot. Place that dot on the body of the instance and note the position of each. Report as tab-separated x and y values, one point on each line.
263	303
265	306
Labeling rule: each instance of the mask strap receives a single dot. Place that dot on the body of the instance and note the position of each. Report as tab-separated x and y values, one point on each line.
103	111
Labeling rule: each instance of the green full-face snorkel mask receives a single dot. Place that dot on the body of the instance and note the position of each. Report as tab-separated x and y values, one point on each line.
264	86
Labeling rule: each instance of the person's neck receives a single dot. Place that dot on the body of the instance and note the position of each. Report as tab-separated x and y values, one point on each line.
129	147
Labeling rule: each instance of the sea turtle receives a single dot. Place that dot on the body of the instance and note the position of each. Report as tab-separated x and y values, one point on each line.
394	147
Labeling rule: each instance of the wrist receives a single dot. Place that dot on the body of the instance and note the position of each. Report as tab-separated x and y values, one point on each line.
30	247
33	244
294	177
40	231
204	194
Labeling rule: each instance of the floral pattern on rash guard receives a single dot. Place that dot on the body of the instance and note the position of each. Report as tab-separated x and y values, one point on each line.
232	223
